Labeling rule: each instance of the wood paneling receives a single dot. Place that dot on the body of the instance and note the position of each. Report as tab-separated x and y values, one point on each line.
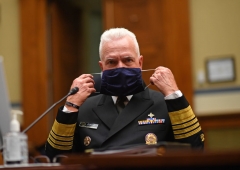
222	122
33	66
49	59
176	43
163	33
65	46
1	158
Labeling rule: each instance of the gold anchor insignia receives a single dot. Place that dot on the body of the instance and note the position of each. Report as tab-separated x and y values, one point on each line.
151	115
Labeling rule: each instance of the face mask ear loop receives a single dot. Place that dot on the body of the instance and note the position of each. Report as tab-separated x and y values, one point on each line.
148	70
147	86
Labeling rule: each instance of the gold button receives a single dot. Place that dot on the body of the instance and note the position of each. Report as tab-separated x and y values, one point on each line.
87	140
202	137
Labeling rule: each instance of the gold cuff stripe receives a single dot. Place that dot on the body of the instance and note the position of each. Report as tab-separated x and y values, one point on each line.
60	137
186	130
59	147
59	142
187	124
181	116
187	134
63	129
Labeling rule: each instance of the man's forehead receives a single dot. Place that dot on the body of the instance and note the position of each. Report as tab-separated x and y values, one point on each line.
123	42
118	53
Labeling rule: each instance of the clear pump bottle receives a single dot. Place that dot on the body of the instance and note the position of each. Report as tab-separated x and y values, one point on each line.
15	148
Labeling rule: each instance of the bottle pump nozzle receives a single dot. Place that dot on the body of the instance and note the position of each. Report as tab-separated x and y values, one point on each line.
14	124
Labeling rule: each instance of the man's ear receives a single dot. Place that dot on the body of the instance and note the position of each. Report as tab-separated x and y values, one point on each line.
140	61
100	65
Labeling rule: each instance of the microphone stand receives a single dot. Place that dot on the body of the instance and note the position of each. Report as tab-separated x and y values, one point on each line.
72	91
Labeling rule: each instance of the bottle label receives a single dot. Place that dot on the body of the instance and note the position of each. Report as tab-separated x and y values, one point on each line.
12	148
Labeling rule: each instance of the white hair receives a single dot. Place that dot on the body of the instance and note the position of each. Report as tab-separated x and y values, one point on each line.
117	33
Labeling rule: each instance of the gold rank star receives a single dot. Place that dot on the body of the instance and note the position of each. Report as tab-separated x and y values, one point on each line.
151	115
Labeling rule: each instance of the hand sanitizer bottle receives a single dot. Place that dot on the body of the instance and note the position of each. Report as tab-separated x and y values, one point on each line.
15	148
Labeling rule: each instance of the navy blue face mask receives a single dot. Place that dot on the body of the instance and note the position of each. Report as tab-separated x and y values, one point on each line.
121	81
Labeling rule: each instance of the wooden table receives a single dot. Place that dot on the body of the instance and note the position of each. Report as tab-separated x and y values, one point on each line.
173	160
170	160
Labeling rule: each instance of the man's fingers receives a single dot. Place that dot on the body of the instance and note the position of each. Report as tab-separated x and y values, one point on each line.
81	80
85	76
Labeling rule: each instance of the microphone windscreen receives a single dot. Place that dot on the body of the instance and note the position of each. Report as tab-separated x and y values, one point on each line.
73	91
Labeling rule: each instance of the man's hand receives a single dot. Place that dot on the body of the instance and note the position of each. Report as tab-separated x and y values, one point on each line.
164	80
85	83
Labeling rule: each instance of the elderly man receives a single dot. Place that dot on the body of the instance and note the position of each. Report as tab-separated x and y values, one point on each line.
126	112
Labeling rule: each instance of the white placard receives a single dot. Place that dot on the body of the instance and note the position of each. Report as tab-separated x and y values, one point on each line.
220	70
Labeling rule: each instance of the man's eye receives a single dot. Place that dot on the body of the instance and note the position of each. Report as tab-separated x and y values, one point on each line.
129	60
111	62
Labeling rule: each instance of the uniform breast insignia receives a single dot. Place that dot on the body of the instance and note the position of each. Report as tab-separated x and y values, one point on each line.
151	139
88	125
87	140
151	120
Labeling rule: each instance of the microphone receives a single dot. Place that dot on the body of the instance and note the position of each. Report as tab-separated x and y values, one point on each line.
74	90
71	92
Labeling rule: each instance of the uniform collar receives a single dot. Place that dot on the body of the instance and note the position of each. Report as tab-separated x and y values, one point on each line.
115	98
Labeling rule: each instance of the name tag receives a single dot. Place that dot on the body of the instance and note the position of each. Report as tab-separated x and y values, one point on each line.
88	125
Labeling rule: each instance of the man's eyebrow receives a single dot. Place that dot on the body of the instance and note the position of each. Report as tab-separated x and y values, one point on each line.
110	58
127	56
